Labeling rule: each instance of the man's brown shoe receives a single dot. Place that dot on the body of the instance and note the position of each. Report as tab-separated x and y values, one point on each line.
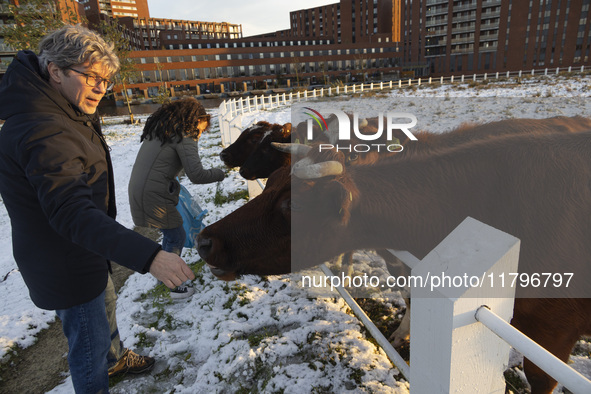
131	362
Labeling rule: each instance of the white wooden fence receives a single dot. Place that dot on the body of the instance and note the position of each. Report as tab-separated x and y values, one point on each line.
230	111
460	338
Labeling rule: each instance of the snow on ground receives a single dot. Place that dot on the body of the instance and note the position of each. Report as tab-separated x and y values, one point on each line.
267	334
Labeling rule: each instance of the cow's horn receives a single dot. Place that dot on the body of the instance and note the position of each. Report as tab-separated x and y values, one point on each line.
318	170
295	149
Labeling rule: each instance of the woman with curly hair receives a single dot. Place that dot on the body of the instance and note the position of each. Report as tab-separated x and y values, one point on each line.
169	144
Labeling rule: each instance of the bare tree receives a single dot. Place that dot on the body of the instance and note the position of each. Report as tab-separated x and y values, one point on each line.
114	32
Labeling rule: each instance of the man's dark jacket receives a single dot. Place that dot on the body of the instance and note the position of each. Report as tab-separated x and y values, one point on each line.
56	181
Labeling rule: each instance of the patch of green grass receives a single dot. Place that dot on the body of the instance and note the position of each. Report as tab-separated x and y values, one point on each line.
220	198
255	339
356	375
143	340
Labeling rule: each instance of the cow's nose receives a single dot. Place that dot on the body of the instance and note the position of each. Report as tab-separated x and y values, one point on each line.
204	246
244	173
224	156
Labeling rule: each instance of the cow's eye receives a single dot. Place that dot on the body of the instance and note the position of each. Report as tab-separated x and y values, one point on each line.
294	206
289	205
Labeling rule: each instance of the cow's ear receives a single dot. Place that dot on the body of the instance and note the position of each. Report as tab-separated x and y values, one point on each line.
286	132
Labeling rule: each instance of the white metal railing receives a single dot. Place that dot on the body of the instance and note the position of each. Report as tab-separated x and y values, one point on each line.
552	365
457	311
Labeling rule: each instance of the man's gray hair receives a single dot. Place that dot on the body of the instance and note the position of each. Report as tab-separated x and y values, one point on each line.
72	45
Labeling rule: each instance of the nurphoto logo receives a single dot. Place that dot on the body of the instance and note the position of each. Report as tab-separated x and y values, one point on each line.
377	137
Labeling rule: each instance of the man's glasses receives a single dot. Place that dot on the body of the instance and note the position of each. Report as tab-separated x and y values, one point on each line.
94	80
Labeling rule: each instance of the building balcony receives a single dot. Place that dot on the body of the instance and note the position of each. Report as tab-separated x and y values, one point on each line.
489	37
457	41
440	43
437	32
435	2
436	22
6	48
491	3
435	12
465	29
464	18
490	14
465	7
489	26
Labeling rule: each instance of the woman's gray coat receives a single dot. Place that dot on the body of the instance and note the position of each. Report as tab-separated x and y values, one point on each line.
153	188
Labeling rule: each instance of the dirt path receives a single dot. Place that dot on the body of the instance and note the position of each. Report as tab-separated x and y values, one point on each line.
41	367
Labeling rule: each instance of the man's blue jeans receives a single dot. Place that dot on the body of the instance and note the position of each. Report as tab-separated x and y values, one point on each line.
89	337
173	239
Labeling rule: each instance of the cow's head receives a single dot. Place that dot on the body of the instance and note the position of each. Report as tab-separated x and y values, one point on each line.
264	159
236	154
295	223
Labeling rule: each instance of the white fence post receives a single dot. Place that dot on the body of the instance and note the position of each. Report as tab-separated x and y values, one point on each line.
449	353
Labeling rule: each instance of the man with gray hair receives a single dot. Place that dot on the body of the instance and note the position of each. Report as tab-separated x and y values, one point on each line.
56	181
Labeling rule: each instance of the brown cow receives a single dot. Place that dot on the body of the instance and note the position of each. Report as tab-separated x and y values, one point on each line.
263	160
429	141
255	138
535	187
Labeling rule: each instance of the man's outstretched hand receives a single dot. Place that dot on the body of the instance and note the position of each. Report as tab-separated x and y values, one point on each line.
170	269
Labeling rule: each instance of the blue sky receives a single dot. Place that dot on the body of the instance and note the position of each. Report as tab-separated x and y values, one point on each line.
256	17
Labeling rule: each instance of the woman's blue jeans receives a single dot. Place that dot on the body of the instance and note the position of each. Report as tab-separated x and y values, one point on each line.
173	239
89	338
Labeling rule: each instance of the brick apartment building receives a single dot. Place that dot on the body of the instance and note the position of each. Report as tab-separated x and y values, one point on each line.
341	40
117	8
478	36
349	39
